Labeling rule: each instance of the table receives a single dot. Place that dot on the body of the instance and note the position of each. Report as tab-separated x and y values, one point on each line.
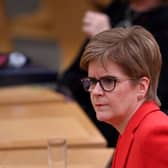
28	94
37	158
33	124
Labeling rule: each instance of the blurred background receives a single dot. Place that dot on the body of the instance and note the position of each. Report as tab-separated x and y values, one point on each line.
46	31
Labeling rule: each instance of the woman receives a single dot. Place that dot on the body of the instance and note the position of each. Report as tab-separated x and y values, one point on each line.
123	67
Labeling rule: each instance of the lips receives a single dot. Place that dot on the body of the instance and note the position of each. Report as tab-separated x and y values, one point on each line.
100	105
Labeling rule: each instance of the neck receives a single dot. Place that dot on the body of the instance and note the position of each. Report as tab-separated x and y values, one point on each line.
121	125
144	5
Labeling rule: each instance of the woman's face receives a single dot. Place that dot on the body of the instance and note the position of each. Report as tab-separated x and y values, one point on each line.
118	105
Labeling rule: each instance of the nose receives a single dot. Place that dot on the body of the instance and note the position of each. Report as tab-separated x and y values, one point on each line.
97	90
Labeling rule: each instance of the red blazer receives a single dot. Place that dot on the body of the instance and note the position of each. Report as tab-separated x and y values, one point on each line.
144	143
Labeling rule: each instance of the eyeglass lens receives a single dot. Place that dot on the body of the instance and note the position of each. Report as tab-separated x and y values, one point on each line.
107	83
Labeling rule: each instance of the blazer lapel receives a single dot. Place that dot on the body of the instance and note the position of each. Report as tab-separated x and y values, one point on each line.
125	144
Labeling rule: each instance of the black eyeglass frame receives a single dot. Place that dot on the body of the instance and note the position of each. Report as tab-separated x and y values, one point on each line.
95	81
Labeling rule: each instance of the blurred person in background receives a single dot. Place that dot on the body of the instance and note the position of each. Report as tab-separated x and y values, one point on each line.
151	14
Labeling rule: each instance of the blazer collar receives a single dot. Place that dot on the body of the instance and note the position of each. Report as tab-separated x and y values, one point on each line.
126	139
145	109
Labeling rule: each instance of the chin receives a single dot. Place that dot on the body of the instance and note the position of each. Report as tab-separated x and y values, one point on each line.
101	116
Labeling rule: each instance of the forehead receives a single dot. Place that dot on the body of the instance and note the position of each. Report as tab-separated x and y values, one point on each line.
97	69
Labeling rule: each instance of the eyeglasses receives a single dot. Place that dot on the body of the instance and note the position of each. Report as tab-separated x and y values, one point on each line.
107	83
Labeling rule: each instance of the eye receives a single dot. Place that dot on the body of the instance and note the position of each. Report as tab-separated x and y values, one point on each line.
108	80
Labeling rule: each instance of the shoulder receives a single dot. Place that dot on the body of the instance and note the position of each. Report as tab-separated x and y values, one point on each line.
154	123
154	135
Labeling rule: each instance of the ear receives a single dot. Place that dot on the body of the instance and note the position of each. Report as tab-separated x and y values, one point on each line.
143	86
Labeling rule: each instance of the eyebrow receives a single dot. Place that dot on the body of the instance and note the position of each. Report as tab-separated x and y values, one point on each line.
111	76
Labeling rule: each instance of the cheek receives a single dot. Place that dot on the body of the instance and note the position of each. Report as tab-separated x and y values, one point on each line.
115	102
124	99
120	100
